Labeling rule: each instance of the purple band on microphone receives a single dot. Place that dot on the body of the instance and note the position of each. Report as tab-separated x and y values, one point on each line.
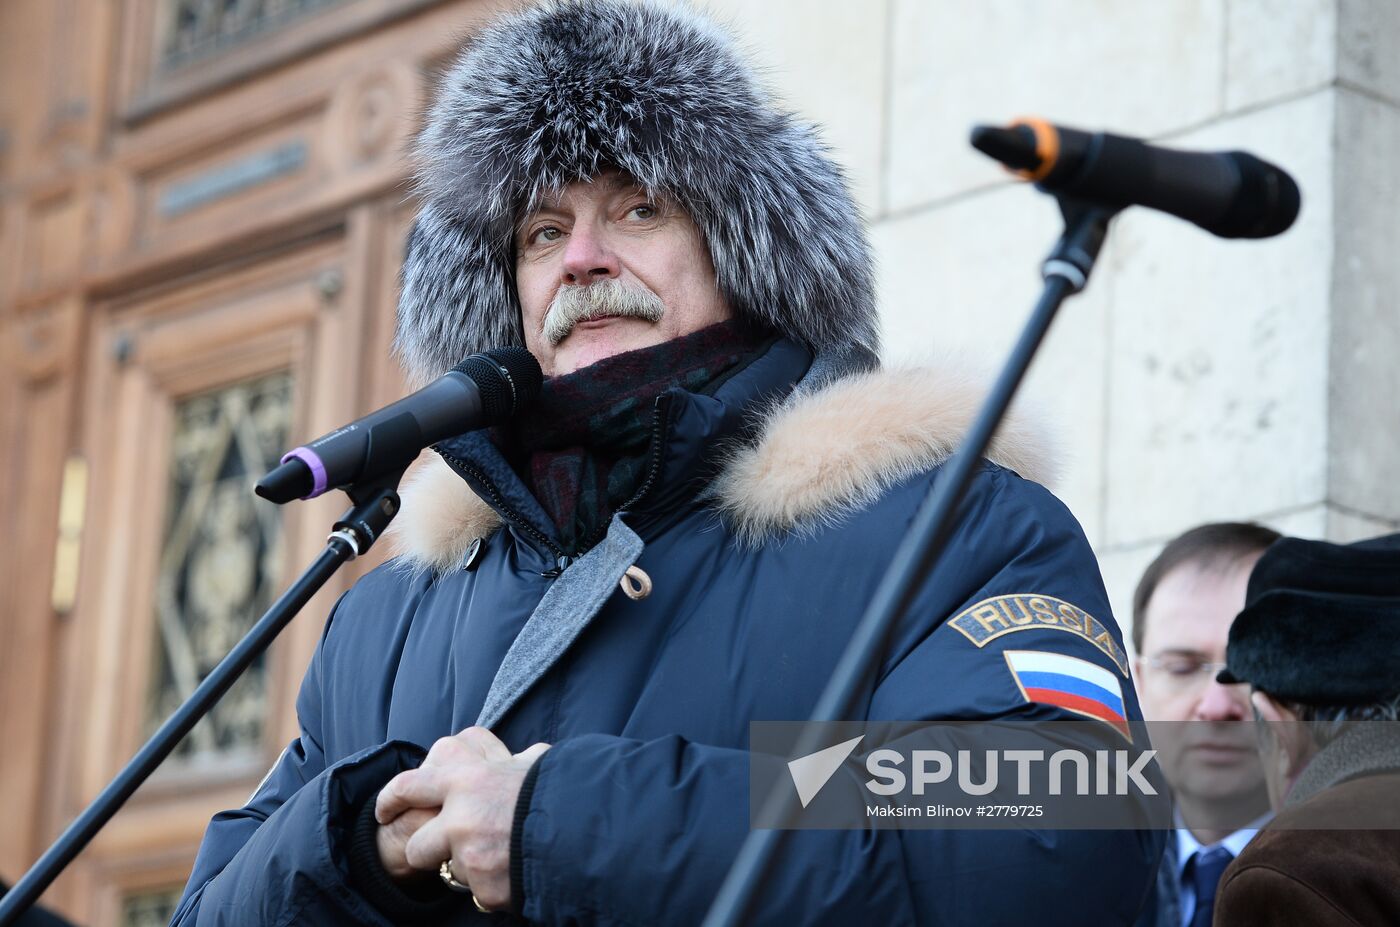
318	469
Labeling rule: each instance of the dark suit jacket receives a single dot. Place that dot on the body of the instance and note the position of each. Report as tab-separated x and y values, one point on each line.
1294	873
1163	906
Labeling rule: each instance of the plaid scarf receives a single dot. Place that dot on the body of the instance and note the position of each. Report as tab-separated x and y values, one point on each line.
583	444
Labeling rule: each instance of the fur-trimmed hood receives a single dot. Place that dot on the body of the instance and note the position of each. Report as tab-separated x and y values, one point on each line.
568	89
818	457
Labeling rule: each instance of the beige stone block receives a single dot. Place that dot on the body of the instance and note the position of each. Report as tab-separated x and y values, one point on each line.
1331	523
1121	571
1306	522
1218	372
1348	527
957	285
1369	45
1364	399
1277	48
827	60
1129	68
1122	567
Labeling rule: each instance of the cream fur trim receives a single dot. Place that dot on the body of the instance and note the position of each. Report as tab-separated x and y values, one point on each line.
830	453
440	518
822	456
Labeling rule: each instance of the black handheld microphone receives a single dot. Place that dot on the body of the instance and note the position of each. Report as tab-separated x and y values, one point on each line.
482	390
1232	194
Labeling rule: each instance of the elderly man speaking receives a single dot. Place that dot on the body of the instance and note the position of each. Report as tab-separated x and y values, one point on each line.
592	604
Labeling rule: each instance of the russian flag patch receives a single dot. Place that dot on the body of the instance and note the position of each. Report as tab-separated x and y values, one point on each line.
1070	683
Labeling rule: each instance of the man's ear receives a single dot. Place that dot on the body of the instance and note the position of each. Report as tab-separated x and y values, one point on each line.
1294	739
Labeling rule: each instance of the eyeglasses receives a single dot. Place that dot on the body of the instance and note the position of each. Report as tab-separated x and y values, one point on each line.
1185	672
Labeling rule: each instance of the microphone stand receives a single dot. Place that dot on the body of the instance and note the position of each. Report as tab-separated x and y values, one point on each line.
376	502
1065	271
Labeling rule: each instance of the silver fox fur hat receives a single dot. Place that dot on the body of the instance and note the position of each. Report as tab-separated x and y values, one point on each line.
571	88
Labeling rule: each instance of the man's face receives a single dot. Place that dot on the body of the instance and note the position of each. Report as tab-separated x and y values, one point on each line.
603	269
1213	757
1286	746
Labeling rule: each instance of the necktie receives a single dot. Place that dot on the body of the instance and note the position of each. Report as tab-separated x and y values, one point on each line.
1205	869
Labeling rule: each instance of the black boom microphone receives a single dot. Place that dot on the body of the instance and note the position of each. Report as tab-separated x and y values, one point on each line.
1232	194
482	390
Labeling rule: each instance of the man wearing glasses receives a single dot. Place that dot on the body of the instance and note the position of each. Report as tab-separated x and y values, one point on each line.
1203	730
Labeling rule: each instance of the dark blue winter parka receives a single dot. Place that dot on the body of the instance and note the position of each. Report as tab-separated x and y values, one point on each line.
765	522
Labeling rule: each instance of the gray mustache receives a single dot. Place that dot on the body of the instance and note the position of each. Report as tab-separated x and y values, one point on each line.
610	296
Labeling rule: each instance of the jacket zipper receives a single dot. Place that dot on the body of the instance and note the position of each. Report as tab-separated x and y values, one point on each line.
658	421
658	426
499	503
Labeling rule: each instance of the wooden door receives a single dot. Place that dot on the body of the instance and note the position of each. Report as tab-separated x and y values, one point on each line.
202	215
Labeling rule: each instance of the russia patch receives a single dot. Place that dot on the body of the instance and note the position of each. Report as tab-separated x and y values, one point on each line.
1070	683
992	618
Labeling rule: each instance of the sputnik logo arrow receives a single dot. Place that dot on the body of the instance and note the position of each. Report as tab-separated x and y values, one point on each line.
811	772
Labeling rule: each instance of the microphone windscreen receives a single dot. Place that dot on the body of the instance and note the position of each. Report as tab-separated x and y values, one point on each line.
508	378
1266	204
1013	146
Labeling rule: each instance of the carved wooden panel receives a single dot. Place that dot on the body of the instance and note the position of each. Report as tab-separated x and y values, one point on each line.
43	340
147	402
52	243
180	192
264	168
176	50
6	144
11	251
193	390
38	350
77	81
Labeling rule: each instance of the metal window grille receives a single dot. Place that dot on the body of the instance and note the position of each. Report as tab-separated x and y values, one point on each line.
199	29
219	558
149	909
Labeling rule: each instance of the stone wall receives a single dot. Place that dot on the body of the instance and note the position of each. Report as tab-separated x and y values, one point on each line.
1196	379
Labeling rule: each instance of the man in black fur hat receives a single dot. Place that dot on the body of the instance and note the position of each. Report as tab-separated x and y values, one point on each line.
591	605
1319	645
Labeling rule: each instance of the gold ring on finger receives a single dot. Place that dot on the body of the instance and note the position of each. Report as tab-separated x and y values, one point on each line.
448	879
